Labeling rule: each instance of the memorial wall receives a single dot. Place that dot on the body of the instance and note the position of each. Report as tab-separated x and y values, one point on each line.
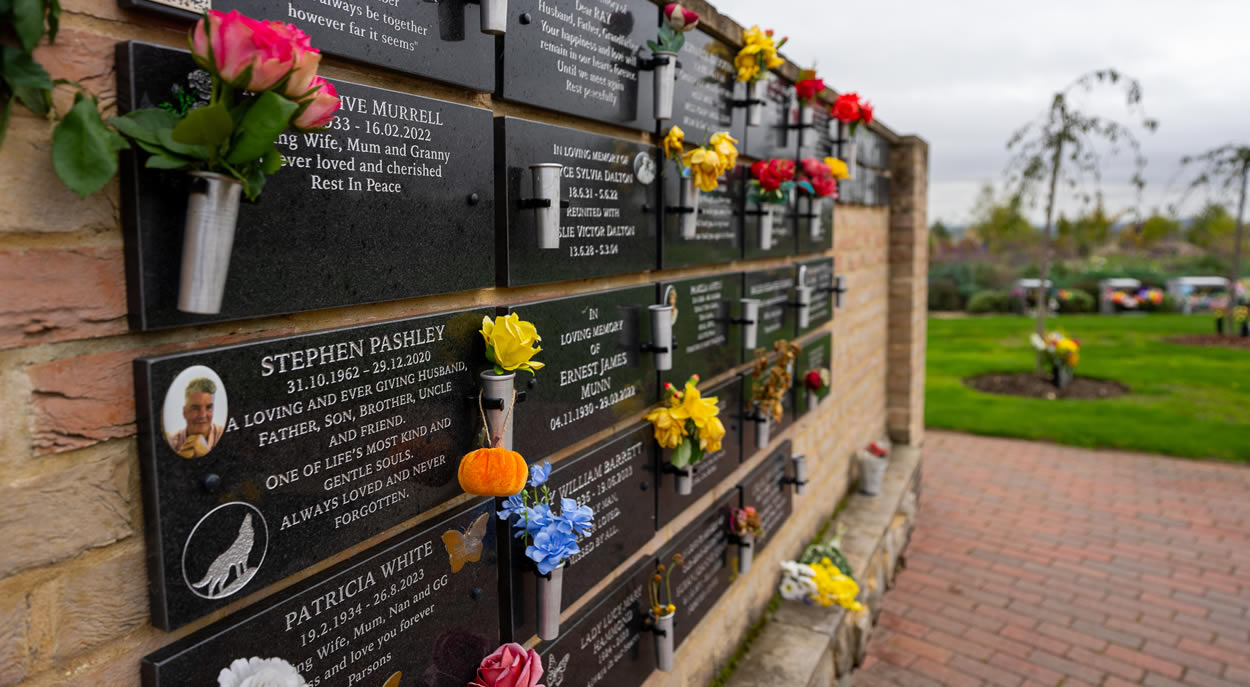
278	476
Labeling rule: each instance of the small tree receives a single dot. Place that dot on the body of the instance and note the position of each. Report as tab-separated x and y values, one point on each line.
1064	134
1224	168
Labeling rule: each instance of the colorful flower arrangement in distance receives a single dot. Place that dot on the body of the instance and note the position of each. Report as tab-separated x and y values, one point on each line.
758	55
688	423
837	168
745	521
677	21
707	163
1058	348
817	382
809	87
849	109
771	181
817	179
550	537
264	80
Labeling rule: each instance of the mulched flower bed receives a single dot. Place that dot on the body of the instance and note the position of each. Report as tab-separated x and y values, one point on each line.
1211	340
1034	385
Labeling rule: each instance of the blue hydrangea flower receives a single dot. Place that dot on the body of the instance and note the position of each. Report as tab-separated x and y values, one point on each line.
539	474
575	519
533	520
552	546
513	505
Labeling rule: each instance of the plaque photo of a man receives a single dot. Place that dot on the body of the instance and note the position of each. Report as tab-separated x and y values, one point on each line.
194	416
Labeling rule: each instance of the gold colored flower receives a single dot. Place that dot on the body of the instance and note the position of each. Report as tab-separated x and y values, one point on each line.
711	434
838	168
726	147
669	431
510	343
674	143
706	166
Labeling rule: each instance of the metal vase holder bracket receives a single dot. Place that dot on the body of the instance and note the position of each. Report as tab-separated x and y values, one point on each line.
746	551
802	302
815	216
548	598
687	208
799	480
546	203
750	323
497	401
754	102
764	211
683	478
661	333
763	428
665	65
494	15
207	239
662	629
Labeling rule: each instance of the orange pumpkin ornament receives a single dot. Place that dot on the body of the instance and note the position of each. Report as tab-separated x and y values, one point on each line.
493	472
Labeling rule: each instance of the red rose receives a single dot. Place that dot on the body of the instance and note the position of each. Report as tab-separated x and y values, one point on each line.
812	380
769	178
785	168
757	168
807	89
865	112
824	186
814	168
846	108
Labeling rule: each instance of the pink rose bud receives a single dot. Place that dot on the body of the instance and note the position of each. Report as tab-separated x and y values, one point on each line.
319	108
510	666
303	75
275	53
679	18
230	38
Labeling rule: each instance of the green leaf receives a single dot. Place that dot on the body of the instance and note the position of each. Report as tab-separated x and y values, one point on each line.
254	182
84	150
36	100
653	46
681	455
6	6
4	118
208	126
144	125
54	19
166	139
165	161
272	162
21	71
28	22
260	127
679	40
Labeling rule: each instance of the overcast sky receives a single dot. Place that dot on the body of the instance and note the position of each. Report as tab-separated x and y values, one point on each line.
964	75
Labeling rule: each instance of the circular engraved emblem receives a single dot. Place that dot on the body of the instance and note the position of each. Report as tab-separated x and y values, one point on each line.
225	550
644	168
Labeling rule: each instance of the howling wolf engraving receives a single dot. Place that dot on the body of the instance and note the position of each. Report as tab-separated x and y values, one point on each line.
233	559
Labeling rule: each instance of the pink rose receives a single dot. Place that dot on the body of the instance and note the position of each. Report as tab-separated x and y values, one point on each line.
224	46
510	666
679	18
318	108
275	53
303	74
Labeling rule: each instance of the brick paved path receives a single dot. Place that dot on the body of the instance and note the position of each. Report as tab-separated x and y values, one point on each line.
1034	564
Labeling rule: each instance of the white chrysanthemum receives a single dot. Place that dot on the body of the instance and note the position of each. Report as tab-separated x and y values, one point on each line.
260	672
804	571
791	590
790	567
808	585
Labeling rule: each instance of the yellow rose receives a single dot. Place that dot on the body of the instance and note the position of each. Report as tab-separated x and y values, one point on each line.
726	147
674	143
837	168
697	408
510	343
706	167
669	431
755	35
711	434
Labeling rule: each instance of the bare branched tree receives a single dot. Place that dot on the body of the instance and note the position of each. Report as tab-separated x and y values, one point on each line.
1222	170
1062	145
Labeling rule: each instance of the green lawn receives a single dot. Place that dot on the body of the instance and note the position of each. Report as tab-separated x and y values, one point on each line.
1185	400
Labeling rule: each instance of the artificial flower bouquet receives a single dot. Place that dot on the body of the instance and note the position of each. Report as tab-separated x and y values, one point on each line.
816	179
745	522
753	62
264	82
663	611
873	460
808	90
677	21
1060	353
245	672
550	540
495	469
773	378
770	187
816	382
688	423
511	665
849	110
819	583
698	169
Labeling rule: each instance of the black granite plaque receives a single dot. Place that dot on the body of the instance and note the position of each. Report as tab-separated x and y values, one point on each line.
815	223
765	489
715	466
819	276
357	215
704	93
606	644
775	136
705	575
423	607
596	373
438	40
609	184
818	140
775	290
308	445
718	226
580	58
816	355
784	236
616	479
706	340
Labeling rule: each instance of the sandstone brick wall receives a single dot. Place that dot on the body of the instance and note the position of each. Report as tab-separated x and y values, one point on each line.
73	584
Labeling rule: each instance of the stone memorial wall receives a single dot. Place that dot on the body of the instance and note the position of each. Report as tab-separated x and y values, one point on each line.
317	516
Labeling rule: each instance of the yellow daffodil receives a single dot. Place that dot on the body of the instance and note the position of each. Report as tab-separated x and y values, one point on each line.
674	143
711	434
726	147
510	343
697	408
706	166
837	168
756	36
669	431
